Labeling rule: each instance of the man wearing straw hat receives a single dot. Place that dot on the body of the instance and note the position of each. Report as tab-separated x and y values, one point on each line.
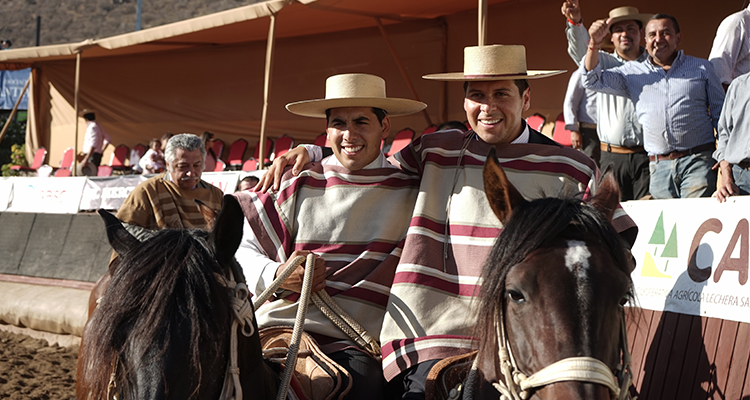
452	226
618	129
352	210
678	99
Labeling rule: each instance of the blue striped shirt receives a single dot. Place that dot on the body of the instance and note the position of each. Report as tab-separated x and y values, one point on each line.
678	109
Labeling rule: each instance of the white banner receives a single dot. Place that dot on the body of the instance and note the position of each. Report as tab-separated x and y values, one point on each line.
6	193
47	195
692	256
108	193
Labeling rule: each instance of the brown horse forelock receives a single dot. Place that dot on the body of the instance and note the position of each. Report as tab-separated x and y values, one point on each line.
532	249
162	287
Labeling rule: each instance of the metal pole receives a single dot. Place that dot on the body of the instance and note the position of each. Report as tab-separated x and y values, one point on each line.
74	172
138	9
401	68
15	108
266	91
482	25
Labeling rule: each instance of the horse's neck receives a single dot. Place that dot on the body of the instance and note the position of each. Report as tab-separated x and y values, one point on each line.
256	374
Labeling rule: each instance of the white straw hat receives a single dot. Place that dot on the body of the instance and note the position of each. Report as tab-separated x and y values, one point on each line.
628	13
355	90
495	62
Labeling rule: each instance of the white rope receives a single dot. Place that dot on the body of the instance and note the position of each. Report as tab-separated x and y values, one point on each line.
346	323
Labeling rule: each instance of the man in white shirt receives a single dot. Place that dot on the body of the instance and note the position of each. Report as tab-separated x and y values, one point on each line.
730	54
96	140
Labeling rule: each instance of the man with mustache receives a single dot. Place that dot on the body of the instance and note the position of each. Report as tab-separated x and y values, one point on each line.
678	100
168	200
617	126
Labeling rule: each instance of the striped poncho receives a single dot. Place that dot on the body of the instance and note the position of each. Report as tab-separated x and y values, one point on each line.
452	230
355	220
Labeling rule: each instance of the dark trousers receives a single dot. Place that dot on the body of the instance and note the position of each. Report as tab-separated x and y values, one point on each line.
96	159
410	384
367	374
631	171
591	146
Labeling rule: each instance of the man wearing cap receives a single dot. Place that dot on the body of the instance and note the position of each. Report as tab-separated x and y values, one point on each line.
351	209
620	134
678	100
95	141
429	315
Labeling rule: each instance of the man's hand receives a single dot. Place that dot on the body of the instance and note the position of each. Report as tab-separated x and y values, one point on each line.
598	31
298	156
576	140
572	11
727	187
294	282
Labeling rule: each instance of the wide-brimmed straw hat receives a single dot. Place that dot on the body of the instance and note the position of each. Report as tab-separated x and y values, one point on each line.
495	62
627	13
355	90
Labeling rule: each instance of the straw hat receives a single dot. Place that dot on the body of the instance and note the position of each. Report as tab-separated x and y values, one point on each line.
495	62
355	90
628	13
85	111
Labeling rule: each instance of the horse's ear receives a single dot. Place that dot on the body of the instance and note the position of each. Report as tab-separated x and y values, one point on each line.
607	196
227	233
209	214
502	195
119	238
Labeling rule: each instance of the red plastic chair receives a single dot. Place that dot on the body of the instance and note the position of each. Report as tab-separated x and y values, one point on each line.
119	156
220	166
536	121
39	157
250	164
62	173
401	140
236	154
560	134
104	170
322	140
269	148
282	145
67	159
429	129
218	147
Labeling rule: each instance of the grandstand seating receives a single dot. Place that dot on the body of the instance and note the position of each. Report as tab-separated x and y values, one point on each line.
401	140
237	154
536	121
282	145
560	134
39	156
251	164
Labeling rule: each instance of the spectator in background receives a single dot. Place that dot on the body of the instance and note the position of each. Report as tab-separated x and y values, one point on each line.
678	99
248	183
733	150
5	44
208	141
153	161
165	138
730	54
620	134
96	140
579	110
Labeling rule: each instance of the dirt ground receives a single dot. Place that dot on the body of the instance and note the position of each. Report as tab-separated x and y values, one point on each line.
31	370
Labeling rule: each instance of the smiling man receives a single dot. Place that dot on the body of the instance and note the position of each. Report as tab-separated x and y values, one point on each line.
352	210
617	127
167	200
678	100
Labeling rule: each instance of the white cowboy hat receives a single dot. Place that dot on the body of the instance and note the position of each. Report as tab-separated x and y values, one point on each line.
355	90
627	13
495	62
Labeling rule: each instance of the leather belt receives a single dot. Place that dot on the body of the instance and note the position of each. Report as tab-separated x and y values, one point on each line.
587	125
682	153
744	164
610	148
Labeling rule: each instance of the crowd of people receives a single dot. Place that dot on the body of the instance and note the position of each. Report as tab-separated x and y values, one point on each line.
649	113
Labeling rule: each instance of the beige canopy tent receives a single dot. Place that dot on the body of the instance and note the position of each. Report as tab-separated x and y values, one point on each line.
208	73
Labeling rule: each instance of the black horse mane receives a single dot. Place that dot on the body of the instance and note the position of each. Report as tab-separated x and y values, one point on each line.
174	270
530	226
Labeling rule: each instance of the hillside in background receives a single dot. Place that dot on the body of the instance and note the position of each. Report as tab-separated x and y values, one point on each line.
66	21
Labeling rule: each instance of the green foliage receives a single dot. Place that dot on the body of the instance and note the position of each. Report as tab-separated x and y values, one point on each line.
12	147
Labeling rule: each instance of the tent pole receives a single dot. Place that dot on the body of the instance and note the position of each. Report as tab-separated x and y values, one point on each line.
15	108
482	24
401	68
266	90
74	172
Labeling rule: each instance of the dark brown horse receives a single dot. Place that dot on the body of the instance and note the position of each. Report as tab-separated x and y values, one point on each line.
553	291
162	328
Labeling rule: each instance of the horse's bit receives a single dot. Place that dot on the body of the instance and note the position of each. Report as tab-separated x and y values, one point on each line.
519	386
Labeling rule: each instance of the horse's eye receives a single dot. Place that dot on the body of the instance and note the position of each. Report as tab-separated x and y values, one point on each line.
624	300
516	296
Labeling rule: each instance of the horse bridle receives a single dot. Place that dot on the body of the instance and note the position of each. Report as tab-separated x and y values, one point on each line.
519	386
